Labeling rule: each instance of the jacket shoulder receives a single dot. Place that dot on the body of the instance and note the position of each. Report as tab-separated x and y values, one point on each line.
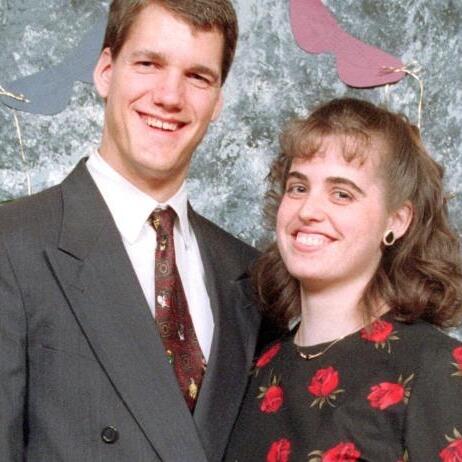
31	214
222	241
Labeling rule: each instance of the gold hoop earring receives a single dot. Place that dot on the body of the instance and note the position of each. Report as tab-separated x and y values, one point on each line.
389	238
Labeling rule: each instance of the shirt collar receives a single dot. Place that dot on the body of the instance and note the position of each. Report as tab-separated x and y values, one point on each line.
131	207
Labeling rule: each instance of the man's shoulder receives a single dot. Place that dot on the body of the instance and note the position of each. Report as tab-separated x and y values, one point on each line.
44	207
217	236
31	209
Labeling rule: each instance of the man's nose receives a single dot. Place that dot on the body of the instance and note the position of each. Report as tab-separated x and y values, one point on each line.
169	91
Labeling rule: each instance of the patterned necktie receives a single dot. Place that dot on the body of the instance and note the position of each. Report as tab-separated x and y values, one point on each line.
172	314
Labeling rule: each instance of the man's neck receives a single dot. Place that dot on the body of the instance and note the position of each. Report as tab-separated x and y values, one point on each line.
160	189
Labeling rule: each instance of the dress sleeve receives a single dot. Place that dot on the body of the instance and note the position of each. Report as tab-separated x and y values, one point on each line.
12	364
433	430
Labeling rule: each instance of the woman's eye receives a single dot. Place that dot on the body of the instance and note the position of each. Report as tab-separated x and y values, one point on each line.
342	196
296	189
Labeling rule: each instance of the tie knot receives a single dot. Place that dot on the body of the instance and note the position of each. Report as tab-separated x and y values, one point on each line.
163	219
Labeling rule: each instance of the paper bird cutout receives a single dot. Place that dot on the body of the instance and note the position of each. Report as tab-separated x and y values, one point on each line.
48	91
358	64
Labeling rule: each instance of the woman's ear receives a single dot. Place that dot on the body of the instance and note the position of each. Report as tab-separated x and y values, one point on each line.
103	73
400	219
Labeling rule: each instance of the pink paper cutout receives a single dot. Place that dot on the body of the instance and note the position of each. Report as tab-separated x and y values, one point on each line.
358	64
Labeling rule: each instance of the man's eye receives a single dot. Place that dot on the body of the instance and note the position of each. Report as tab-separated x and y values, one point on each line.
146	64
200	80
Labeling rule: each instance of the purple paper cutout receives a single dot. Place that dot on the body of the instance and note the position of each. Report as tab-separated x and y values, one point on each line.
358	64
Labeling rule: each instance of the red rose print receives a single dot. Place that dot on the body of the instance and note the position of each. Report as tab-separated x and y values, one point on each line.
279	451
324	382
324	385
381	333
378	331
343	452
272	399
272	396
457	355
405	457
452	452
268	355
386	394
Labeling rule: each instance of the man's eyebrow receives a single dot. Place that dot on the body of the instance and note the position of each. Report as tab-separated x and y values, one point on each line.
345	181
148	55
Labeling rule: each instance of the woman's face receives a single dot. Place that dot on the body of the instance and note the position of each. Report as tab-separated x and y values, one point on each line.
332	218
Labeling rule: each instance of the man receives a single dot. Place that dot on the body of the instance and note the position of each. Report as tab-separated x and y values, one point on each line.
87	372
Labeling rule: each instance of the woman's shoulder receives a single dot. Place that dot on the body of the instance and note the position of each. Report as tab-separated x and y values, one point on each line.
424	333
427	345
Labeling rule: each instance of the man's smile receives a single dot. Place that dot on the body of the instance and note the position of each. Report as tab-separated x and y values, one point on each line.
155	122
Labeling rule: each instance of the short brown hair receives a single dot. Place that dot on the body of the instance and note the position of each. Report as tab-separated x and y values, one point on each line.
203	15
420	276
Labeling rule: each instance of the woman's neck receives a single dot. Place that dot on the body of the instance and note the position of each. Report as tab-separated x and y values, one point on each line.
330	313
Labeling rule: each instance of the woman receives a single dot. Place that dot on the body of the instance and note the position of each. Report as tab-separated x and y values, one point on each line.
366	260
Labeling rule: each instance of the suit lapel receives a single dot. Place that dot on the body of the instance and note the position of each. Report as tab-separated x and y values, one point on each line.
233	344
103	292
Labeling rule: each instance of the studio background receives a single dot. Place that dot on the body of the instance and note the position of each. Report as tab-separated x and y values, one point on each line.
272	79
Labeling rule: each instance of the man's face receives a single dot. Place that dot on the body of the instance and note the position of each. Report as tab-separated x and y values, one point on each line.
161	92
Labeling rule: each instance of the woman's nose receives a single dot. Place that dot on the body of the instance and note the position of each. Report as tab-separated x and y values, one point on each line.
311	209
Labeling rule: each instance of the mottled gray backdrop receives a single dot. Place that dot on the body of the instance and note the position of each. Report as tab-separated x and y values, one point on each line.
271	80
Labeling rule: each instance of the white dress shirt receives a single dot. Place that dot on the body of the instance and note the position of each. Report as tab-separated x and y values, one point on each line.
130	209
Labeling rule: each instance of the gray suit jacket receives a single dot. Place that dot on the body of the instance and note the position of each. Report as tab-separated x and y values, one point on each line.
79	352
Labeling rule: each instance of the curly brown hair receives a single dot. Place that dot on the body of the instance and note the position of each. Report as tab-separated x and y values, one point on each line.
420	276
204	15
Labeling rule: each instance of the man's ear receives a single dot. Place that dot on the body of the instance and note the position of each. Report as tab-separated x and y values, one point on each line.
218	106
103	73
400	219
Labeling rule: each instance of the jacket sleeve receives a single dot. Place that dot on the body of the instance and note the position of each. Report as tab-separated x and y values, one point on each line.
12	363
434	417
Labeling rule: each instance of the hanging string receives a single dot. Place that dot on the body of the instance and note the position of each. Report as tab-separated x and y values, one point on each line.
21	98
413	69
23	154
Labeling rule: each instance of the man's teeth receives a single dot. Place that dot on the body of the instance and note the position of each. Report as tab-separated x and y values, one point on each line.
156	123
311	239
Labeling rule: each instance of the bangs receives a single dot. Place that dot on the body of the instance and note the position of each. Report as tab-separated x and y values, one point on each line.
307	139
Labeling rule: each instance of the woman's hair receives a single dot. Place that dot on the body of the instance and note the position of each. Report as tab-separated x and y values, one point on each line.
204	15
420	276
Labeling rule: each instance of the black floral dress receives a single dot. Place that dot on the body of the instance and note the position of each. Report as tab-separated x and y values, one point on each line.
392	393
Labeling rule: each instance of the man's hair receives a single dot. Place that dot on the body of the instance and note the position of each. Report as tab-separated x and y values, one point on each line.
420	276
203	15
